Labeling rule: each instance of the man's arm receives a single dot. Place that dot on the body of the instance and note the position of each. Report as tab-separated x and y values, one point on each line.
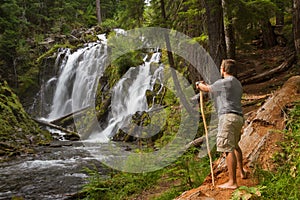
203	86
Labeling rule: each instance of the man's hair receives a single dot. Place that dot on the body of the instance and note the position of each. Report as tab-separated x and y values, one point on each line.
229	66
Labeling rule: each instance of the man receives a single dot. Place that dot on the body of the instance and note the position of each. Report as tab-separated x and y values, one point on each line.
227	93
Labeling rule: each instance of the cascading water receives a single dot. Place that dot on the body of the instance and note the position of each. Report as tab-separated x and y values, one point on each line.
76	84
129	96
77	80
42	102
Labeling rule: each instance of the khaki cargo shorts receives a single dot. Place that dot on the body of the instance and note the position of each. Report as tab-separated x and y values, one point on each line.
229	132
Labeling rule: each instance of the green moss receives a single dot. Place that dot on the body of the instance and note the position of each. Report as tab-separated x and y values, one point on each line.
52	51
18	131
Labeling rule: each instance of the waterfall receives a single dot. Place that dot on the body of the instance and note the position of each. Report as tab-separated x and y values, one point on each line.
77	79
41	106
76	84
129	96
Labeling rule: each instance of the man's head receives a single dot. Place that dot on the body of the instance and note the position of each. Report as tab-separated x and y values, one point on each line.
228	66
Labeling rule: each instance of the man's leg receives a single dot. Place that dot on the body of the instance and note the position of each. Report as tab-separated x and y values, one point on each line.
239	157
231	161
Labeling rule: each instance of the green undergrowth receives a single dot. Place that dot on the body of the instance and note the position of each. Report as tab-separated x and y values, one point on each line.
185	173
119	185
284	183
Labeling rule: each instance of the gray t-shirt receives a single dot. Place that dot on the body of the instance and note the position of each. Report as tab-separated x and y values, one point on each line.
227	94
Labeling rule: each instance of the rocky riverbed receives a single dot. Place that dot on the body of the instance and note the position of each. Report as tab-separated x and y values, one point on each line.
54	172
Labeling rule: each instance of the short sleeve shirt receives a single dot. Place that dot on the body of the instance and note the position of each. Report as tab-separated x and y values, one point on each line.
227	94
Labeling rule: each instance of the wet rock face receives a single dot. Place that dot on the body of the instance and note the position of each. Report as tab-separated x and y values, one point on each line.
18	131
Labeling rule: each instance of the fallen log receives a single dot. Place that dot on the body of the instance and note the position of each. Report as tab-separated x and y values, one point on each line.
247	74
71	134
195	143
259	131
269	74
254	101
61	119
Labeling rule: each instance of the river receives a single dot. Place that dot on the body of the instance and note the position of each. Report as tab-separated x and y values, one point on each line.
53	172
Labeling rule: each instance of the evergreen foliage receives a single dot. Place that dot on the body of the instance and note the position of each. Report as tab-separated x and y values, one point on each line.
130	14
25	24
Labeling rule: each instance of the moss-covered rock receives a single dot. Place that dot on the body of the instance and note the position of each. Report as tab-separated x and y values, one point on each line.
18	132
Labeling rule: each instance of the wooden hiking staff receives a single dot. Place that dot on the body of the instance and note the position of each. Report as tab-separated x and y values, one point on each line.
206	136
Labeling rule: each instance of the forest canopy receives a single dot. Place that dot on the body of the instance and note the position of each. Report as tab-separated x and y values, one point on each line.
25	25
